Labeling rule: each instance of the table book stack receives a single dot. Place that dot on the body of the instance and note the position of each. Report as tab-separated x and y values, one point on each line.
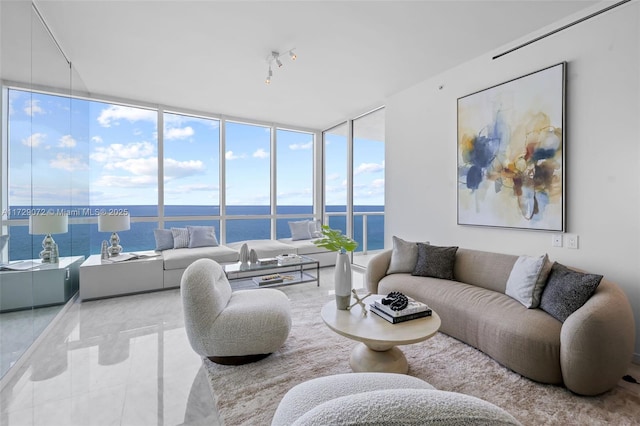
414	310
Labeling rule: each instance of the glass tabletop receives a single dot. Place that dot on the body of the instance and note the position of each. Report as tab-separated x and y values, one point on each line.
248	267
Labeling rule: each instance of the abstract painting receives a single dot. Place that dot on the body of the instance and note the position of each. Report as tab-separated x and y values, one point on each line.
510	153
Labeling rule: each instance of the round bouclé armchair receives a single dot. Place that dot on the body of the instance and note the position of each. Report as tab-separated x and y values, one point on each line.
231	327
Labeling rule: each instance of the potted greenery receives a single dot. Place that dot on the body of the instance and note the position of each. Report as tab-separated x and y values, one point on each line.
334	240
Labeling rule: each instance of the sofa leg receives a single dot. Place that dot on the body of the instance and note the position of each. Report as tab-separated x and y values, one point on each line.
237	360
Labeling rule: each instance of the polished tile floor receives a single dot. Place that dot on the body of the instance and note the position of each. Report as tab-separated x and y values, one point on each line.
122	361
118	361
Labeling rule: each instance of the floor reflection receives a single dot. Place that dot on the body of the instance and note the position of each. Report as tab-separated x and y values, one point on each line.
18	331
124	360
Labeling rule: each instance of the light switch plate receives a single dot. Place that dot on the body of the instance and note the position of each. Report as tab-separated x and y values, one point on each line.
556	240
572	241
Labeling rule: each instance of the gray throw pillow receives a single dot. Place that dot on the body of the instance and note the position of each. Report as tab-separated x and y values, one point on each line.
164	239
202	236
180	237
300	230
403	256
434	261
566	291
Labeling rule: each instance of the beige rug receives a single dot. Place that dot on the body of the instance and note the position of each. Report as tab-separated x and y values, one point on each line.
249	394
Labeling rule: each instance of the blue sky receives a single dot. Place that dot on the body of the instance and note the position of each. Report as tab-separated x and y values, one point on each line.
114	160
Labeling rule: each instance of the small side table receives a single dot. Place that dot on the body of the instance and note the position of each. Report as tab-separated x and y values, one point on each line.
106	279
44	285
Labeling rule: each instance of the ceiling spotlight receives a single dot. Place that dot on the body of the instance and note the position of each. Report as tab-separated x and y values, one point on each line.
276	57
268	79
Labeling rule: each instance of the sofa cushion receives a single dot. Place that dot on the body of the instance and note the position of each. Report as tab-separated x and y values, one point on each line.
265	248
181	258
566	291
483	269
164	239
434	261
403	256
180	237
202	236
528	278
304	247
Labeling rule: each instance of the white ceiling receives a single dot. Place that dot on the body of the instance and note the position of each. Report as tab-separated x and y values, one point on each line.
210	56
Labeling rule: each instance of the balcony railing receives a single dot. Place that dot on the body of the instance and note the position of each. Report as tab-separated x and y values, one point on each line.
363	246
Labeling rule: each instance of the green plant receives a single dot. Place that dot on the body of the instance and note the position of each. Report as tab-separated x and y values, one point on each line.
334	240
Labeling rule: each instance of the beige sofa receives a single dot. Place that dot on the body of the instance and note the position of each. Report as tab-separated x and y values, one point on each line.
588	353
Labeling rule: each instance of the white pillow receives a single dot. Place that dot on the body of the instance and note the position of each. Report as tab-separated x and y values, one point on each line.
527	279
202	236
315	229
180	237
403	256
300	230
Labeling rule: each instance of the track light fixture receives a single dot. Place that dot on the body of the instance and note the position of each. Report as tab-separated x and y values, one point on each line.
274	57
268	79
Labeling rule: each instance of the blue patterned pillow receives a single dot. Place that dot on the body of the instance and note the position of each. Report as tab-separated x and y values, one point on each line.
180	237
434	261
164	239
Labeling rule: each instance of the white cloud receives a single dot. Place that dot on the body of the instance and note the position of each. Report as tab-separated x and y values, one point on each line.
229	155
179	133
97	139
377	183
32	107
35	140
176	169
137	166
117	151
135	182
297	146
369	168
114	113
260	153
333	177
196	187
67	141
68	163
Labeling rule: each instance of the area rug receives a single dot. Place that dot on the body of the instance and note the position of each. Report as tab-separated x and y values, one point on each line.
249	394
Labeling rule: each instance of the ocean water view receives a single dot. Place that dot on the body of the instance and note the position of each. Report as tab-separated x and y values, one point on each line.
84	239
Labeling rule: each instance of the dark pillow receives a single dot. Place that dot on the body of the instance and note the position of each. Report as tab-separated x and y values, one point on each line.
566	291
434	261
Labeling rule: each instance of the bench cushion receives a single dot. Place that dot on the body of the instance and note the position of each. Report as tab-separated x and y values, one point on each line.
265	248
303	247
183	257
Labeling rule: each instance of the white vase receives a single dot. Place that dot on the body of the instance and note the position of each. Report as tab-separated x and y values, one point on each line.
342	279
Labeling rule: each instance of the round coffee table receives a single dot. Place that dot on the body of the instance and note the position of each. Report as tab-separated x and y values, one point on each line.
378	338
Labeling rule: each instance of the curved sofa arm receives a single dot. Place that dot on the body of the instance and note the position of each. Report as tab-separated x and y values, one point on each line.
376	270
597	341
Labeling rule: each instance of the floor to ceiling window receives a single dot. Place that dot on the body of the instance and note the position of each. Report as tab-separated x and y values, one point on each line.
368	180
248	181
294	178
354	179
191	171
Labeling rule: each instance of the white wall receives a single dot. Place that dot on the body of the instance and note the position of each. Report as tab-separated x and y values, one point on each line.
602	156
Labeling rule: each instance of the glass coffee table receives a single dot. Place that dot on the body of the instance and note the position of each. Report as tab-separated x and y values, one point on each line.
377	350
255	275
